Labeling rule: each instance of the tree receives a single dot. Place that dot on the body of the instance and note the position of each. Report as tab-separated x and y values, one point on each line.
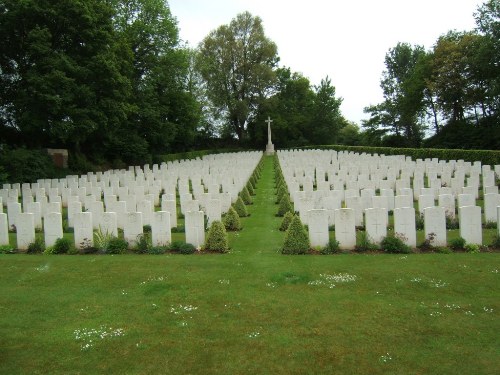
237	62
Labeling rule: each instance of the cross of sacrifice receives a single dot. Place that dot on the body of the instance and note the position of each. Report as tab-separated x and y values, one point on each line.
269	129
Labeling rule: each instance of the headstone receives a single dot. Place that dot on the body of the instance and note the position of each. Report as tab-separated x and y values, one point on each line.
404	225
345	228
403	201
318	228
52	227
25	230
4	229
160	228
470	224
376	221
170	206
144	207
447	201
466	200
73	208
355	204
491	201
83	231
13	211
108	224
132	227
425	201
35	208
435	225
214	211
195	228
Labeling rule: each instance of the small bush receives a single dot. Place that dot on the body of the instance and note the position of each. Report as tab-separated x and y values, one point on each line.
86	247
250	188
457	243
157	250
364	243
182	247
472	248
442	250
7	249
217	238
496	242
296	238
419	221
179	229
281	191
240	208
232	221
490	225
394	244
285	205
36	247
245	196
146	229
143	243
331	248
451	222
62	246
116	245
427	244
287	219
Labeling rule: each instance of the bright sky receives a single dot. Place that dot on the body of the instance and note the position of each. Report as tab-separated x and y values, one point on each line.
344	39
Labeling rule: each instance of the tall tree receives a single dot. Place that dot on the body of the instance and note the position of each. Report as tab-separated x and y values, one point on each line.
237	62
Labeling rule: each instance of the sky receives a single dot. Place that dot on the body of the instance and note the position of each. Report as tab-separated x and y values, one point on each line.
345	40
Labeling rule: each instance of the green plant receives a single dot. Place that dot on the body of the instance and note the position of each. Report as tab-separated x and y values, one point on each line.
331	248
158	250
287	219
232	221
86	247
143	243
116	245
217	238
419	221
296	238
496	242
250	188
36	247
442	250
394	244
7	249
178	229
182	247
285	205
472	248
364	243
245	196
146	229
280	192
451	222
457	243
427	243
240	208
490	225
101	240
62	246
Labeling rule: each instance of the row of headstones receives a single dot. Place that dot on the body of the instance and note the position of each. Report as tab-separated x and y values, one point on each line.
376	223
84	232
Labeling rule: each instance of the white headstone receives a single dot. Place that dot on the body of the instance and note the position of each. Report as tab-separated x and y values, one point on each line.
132	227
403	201
13	211
160	228
491	201
108	224
84	234
466	200
404	225
435	225
345	228
35	208
145	208
318	228
470	224
195	228
376	221
355	204
25	230
52	227
425	201
447	201
214	211
170	206
4	229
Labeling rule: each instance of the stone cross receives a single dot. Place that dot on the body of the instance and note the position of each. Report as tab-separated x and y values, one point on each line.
270	146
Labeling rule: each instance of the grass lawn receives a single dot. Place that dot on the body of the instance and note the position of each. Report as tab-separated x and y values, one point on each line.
252	311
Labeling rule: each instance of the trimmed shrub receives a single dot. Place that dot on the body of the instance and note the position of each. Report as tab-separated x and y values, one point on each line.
143	243
116	245
232	221
280	192
496	242
451	222
285	205
287	219
217	238
62	246
7	249
364	243
472	248
157	250
182	247
240	208
250	188
331	248
457	243
394	244
245	196
36	247
296	238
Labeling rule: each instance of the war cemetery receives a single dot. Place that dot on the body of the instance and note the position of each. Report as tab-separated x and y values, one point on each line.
152	221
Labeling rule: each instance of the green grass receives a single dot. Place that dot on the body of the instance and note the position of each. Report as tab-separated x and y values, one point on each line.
257	311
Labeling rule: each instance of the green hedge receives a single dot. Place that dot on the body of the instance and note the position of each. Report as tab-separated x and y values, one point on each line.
188	155
489	157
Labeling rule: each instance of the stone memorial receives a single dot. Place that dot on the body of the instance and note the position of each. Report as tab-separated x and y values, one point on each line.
4	229
318	228
404	225
470	224
345	228
132	227
376	221
25	230
160	228
52	228
435	225
195	228
83	231
270	145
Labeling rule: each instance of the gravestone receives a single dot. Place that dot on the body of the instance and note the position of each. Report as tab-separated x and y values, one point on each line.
35	208
160	228
403	201
470	224
144	207
170	206
447	201
466	200
345	228
425	201
318	228
4	229
195	228
52	228
25	230
214	211
73	208
132	227
435	225
376	221
13	211
108	224
83	231
491	201
404	225
354	203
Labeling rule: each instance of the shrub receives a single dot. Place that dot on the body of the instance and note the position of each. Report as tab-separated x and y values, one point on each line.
232	221
245	196
217	238
116	245
101	240
250	188
182	248
280	192
86	247
62	246
7	249
240	208
451	222
179	229
472	248
157	250
394	244
143	243
285	205
496	242
419	221
490	225
427	244
331	248
365	244
287	219
457	243
442	250
296	238
146	229
36	247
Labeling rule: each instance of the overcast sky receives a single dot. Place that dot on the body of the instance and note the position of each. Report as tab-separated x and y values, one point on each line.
344	39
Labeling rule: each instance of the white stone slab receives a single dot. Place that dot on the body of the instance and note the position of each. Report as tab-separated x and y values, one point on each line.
354	203
318	227
52	228
404	225
195	228
376	220
403	201
160	228
4	229
425	201
83	231
35	208
145	208
345	228
132	227
470	224
13	211
25	230
491	201
466	200
170	206
108	224
435	225
447	201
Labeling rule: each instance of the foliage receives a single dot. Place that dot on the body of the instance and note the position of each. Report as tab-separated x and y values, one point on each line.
472	248
143	243
7	249
457	243
364	243
496	242
23	165
490	225
232	220
182	247
452	222
158	250
287	219
36	247
331	248
296	238
116	245
245	196
240	208
62	246
217	238
394	244
249	187
285	205
236	62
